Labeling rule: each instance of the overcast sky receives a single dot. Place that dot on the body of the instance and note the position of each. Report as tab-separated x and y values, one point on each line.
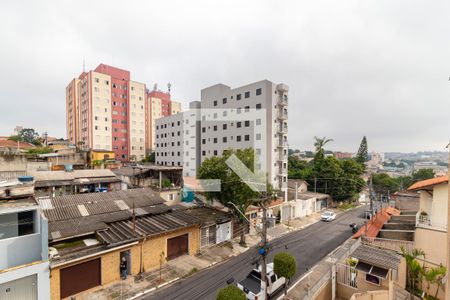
354	68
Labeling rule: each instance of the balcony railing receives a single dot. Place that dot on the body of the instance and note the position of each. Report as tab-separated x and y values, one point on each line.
282	129
283	100
282	115
426	221
346	275
282	143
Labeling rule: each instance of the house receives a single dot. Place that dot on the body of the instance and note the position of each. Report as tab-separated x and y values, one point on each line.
216	226
89	235
9	146
406	200
58	183
302	202
255	213
24	266
432	220
368	273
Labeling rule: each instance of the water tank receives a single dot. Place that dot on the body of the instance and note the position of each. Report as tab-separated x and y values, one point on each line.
25	178
68	167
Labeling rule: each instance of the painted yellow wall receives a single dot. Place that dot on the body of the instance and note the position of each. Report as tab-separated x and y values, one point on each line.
100	155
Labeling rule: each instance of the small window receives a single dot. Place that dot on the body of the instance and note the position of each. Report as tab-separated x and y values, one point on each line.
247	123
247	108
215	140
224	139
239	124
203	141
224	126
247	137
204	129
224	100
238	97
238	138
258	121
215	103
258	106
203	152
215	127
258	92
215	152
247	94
258	136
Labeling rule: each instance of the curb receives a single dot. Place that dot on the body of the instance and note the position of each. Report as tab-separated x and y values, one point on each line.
152	289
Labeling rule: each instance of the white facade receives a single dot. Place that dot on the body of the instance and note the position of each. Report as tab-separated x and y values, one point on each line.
252	116
137	120
24	267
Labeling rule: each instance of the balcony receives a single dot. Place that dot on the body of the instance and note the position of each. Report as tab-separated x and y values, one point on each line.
282	143
425	220
283	100
282	115
282	129
282	157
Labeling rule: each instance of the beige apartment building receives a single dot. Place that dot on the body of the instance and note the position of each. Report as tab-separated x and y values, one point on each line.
106	110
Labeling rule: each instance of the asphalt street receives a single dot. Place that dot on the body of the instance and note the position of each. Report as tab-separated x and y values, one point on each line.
309	246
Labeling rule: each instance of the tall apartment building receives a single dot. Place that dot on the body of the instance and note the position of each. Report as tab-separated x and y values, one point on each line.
107	110
252	116
159	105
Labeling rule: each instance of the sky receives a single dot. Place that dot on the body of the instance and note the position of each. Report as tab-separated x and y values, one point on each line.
378	68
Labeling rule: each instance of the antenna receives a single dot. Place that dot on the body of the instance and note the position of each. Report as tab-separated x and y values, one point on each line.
155	87
169	85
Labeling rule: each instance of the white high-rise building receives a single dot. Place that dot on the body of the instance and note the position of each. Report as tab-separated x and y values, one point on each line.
252	116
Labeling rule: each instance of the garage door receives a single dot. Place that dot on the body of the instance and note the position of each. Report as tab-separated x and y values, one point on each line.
23	288
79	278
177	246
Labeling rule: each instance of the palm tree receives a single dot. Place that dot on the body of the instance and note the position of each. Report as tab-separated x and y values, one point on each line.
413	267
321	142
440	271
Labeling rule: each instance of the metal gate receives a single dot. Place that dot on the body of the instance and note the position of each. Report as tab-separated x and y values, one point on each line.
19	289
177	246
80	277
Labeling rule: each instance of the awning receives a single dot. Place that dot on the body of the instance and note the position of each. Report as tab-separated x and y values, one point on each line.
372	270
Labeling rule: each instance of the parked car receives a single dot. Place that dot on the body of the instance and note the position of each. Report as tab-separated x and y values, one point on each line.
251	285
328	216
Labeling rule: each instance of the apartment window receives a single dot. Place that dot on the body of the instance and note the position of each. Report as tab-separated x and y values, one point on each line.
238	138
247	94
239	124
247	137
215	140
95	118
224	113
157	126
203	141
224	100
97	80
215	103
204	129
215	152
247	108
215	127
247	123
224	126
258	121
179	133
224	139
96	127
258	151
258	106
215	116
258	92
203	153
106	119
238	111
258	136
173	124
238	97
106	82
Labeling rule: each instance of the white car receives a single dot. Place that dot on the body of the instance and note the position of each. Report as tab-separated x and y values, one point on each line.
328	216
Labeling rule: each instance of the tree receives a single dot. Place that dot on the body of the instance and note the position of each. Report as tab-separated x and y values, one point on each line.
362	156
423	174
231	292
29	135
319	144
284	265
382	183
413	267
233	188
298	169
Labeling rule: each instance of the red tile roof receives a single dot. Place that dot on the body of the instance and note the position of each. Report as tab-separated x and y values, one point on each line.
13	144
376	223
428	183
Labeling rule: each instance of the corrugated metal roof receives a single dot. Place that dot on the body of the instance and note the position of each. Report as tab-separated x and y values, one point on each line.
127	230
377	257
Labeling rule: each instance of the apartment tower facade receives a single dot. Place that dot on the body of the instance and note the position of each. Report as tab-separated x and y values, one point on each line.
252	116
107	110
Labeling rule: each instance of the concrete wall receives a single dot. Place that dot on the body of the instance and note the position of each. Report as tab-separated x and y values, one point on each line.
42	271
399	226
346	292
324	293
428	240
404	235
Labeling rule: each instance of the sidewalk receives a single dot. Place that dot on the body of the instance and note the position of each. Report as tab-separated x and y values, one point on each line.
186	265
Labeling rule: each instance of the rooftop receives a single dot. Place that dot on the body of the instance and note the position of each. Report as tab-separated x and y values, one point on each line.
15	145
428	184
208	216
50	178
377	257
308	195
74	215
375	224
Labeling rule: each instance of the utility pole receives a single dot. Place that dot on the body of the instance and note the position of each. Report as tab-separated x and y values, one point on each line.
315	184
371	194
263	252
